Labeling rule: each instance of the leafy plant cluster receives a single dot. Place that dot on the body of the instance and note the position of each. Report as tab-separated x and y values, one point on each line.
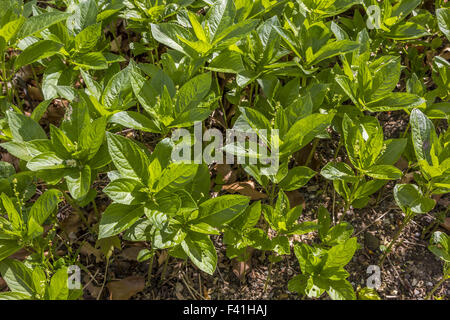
313	70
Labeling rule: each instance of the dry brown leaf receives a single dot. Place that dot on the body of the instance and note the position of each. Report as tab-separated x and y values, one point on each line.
295	198
124	289
407	178
20	255
87	250
446	224
225	174
116	43
2	284
246	189
6	157
131	253
162	257
93	290
71	224
35	93
402	163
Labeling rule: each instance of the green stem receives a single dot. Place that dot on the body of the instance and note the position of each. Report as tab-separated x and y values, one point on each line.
268	276
430	295
311	153
79	211
150	267
406	220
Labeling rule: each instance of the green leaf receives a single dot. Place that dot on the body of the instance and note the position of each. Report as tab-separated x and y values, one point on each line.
296	178
92	137
338	171
8	247
128	157
135	120
45	205
303	131
6	169
384	172
193	92
443	19
395	101
341	290
87	38
219	17
220	210
79	182
117	218
18	277
169	33
406	31
125	191
10	29
200	249
40	22
341	254
333	49
37	51
175	176
46	160
58	289
409	197
90	60
24	128
14	217
423	136
324	219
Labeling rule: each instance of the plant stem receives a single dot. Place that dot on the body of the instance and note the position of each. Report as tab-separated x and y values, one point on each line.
72	203
104	279
406	220
311	153
150	267
268	276
429	295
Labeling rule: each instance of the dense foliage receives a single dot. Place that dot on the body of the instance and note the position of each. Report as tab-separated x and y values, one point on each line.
312	71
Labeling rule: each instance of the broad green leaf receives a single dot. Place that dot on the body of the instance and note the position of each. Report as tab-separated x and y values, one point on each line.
443	19
45	205
220	210
58	289
91	60
8	247
175	176
125	191
18	277
406	31
384	172
128	157
333	49
303	131
87	38
24	128
338	171
79	181
40	22
37	51
135	120
341	254
193	92
117	218
201	251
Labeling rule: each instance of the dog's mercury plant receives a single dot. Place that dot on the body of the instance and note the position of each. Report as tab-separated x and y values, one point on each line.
157	95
